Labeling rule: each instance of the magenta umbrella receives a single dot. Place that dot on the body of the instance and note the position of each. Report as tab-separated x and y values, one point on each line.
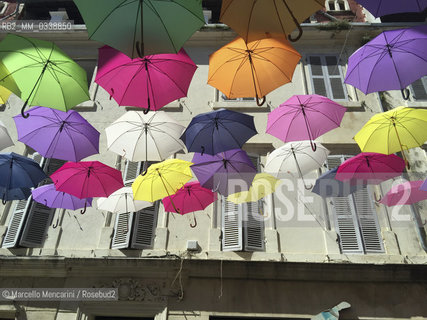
304	117
191	197
370	168
405	193
149	82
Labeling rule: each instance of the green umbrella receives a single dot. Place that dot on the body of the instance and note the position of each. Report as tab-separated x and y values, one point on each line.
44	74
165	28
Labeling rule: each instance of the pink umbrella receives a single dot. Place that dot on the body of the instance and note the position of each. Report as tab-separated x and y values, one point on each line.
405	193
304	117
370	168
149	82
191	197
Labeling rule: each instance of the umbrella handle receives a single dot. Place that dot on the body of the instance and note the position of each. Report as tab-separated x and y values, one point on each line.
313	146
145	111
144	172
308	187
298	36
195	222
22	110
3	201
376	198
203	150
56	224
260	102
405	93
84	210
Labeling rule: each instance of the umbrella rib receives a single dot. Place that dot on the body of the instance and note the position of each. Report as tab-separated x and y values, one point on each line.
249	20
130	83
153	8
106	17
410	133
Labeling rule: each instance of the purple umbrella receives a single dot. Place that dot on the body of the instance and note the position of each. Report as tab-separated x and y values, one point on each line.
380	8
223	170
50	197
424	186
57	134
391	61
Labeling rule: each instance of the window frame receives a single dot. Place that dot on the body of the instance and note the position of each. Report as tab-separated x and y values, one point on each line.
336	4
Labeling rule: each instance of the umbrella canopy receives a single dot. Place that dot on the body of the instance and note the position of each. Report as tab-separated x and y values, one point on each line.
424	185
370	168
145	137
58	134
405	193
224	171
252	19
48	196
391	61
218	131
380	8
4	95
162	179
262	185
121	201
150	82
392	131
252	69
304	117
14	194
191	197
5	139
142	27
45	75
87	179
327	186
7	84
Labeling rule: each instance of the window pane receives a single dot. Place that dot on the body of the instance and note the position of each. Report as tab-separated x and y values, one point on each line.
316	66
331	62
420	92
319	87
337	88
341	5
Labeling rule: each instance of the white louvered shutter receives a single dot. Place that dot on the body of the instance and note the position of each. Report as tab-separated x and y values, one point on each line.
132	170
419	89
122	230
232	236
253	232
145	227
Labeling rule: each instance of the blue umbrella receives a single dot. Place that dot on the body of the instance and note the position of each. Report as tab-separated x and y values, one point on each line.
327	186
218	131
16	172
14	194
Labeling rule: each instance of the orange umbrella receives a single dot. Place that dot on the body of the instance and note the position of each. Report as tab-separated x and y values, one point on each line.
254	69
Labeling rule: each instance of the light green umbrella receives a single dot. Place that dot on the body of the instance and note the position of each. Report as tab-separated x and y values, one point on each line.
44	74
166	24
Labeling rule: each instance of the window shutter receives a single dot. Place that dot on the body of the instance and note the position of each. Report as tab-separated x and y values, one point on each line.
336	80
132	170
316	75
368	221
419	89
122	230
254	227
50	166
145	227
38	221
231	226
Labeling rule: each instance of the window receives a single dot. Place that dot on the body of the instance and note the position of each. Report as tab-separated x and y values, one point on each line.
337	5
30	220
419	89
326	77
135	230
355	218
248	99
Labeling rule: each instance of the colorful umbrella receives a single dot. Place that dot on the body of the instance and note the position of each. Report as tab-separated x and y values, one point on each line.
370	168
424	186
121	201
45	75
142	27
252	19
7	84
327	186
150	82
18	172
304	117
4	94
218	131
145	137
393	131
252	69
380	8
390	61
58	134
5	139
262	185
224	170
14	194
48	196
405	193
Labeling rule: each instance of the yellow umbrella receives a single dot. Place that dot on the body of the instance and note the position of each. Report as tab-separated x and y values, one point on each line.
4	95
262	185
392	131
162	180
7	81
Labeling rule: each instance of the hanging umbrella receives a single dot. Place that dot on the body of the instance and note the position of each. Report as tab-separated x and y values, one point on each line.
4	95
218	131
58	134
150	82
380	8
14	194
48	196
18	172
165	27
217	172
327	186
252	69
304	117
5	139
7	84
391	61
405	193
252	19
121	201
392	131
45	75
262	185
424	185
145	137
296	158
162	179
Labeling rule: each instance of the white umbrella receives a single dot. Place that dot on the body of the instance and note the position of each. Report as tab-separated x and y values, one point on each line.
5	140
145	137
121	201
296	157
